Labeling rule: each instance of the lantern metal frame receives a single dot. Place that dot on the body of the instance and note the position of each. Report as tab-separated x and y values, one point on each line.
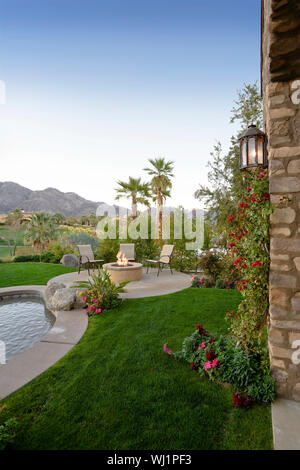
252	133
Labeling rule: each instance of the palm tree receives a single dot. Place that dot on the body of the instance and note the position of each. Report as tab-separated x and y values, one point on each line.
161	172
135	190
41	229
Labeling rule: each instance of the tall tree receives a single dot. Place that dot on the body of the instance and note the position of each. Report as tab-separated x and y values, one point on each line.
13	221
41	229
161	172
135	190
224	176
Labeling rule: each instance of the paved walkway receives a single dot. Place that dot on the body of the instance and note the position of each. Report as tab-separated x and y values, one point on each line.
286	424
150	285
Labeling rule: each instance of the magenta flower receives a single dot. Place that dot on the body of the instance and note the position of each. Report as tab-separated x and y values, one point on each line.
207	365
85	311
167	350
84	298
92	308
215	362
202	345
98	310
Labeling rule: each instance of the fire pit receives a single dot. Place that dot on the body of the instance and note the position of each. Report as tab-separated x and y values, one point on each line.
123	270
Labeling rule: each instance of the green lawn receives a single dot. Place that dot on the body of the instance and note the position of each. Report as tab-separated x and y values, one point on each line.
18	274
5	231
4	252
117	389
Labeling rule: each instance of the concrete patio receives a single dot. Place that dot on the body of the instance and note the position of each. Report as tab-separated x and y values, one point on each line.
150	285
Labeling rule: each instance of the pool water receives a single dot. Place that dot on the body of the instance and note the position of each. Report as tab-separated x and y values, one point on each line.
23	322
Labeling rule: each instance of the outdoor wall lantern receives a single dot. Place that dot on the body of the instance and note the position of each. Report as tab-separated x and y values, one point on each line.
253	149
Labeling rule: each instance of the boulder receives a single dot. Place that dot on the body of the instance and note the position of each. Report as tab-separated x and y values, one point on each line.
70	261
63	299
51	288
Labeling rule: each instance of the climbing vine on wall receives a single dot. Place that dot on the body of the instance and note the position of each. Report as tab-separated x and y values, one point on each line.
249	245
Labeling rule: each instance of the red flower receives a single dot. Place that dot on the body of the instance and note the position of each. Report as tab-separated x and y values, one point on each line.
230	218
210	355
265	196
243	402
193	366
238	261
248	189
256	263
253	197
261	175
231	245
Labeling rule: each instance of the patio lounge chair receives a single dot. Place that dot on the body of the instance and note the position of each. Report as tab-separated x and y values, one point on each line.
128	249
86	258
164	259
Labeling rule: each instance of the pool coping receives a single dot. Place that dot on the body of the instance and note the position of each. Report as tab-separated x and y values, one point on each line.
67	330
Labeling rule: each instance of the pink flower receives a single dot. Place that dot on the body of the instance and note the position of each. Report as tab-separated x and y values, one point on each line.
207	365
215	362
98	310
167	350
202	345
92	308
84	298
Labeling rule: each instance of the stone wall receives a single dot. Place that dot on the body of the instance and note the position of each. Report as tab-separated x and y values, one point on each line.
282	126
283	129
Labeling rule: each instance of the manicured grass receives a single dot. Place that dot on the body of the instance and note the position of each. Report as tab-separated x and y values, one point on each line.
5	231
18	274
117	389
4	252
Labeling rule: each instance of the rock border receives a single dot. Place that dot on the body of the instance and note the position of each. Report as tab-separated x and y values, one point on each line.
67	330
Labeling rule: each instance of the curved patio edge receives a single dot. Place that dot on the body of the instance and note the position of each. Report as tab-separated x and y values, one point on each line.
67	330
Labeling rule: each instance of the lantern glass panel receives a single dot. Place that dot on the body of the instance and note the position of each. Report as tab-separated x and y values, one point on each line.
252	151
244	153
260	151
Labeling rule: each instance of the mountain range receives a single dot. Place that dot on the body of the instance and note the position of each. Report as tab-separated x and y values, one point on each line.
14	196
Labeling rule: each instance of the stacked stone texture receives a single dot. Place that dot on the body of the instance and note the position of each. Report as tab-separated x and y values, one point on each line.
282	120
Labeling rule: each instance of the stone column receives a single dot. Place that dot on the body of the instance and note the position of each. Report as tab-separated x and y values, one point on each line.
282	121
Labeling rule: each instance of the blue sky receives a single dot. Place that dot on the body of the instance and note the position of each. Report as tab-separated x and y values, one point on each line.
104	85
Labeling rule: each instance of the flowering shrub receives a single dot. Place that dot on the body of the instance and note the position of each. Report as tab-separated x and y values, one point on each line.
211	264
101	293
250	253
197	281
221	359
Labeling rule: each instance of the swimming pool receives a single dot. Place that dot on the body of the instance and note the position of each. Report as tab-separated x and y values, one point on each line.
24	320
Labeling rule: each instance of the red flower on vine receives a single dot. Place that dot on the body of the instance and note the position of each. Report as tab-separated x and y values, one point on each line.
230	218
257	263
